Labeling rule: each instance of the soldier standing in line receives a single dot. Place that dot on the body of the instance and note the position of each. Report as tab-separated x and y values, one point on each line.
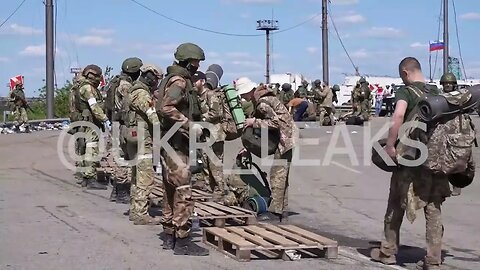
89	105
179	103
141	110
325	107
286	94
121	84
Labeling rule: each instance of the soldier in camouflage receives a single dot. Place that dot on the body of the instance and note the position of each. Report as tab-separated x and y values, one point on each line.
74	116
286	94
366	99
412	188
357	99
19	107
179	104
302	90
325	107
89	105
121	170
270	113
141	112
449	84
212	112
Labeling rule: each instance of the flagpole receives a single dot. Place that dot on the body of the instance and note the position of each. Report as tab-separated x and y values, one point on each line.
430	63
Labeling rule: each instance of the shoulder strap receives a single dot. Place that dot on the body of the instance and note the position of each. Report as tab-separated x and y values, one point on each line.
420	94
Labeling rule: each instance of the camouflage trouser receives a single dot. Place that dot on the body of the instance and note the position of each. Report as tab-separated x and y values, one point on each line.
80	151
365	109
325	111
177	198
279	182
142	177
20	116
396	211
91	158
215	173
121	169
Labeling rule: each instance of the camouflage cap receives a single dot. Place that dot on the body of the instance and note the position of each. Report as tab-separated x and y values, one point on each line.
448	78
132	65
158	72
93	69
188	51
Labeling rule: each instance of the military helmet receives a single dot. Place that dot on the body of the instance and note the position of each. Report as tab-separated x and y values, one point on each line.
362	80
336	87
132	65
448	78
286	86
154	69
188	51
92	69
317	82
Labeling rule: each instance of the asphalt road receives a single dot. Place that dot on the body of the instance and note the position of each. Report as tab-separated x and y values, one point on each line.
48	222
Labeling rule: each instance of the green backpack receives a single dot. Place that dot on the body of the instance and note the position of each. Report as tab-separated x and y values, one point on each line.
110	99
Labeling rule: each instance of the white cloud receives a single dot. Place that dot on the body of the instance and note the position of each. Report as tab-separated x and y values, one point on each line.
472	16
92	40
15	29
362	53
4	59
418	45
351	18
312	49
238	54
345	2
383	32
37	50
101	31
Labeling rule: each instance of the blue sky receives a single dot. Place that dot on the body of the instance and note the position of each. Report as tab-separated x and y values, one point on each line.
377	34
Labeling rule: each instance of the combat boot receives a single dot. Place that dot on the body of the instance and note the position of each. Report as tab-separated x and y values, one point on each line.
270	217
185	246
378	256
123	195
421	265
114	194
168	241
94	185
456	191
146	220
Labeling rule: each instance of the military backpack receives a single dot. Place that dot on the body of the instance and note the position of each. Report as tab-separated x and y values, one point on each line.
111	89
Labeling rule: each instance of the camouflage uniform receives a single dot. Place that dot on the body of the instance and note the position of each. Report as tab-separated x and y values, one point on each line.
89	103
174	107
411	189
286	94
270	112
141	110
74	116
366	103
357	99
212	112
302	90
325	107
18	103
121	170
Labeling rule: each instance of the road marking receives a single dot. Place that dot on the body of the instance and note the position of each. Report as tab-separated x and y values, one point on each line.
360	257
346	167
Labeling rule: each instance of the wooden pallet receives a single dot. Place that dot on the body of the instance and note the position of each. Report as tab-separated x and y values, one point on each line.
268	240
197	195
215	214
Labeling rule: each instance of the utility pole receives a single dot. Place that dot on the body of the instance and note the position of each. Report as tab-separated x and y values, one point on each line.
49	56
325	41
445	36
267	26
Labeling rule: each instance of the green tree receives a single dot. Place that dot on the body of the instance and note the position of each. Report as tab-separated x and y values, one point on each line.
61	103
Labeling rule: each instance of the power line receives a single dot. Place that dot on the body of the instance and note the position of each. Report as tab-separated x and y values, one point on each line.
458	39
341	42
13	13
220	32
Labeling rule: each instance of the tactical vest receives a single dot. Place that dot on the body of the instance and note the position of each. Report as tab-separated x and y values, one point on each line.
190	105
83	107
131	119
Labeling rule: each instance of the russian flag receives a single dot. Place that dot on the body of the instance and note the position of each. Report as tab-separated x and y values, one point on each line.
437	46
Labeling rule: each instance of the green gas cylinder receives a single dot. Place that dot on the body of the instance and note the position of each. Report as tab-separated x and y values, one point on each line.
235	106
